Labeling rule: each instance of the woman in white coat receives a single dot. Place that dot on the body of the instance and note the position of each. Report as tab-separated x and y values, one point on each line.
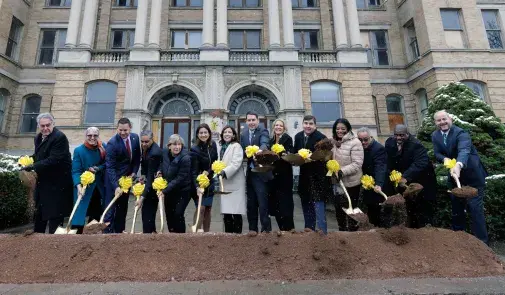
233	205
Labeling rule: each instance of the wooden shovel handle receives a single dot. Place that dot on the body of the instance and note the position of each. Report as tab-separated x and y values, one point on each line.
221	183
456	179
194	227
383	194
134	219
79	198
161	205
110	205
346	194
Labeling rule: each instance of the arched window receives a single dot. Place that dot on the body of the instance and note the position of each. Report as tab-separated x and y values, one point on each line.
177	107
422	104
252	101
31	110
4	94
325	101
394	106
478	87
100	102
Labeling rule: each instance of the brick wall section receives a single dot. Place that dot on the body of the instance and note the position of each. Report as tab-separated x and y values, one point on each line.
327	34
102	39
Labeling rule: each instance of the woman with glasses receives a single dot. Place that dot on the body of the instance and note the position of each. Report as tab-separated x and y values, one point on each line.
90	156
348	151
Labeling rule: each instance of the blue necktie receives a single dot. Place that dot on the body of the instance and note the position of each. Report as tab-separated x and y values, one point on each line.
251	133
445	138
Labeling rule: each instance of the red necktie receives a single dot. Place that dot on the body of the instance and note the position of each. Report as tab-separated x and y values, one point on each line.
128	149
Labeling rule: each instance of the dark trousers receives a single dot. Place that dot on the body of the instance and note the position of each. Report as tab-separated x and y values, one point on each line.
232	223
419	212
380	215
149	210
314	212
476	209
40	225
345	223
175	205
285	223
120	212
257	199
95	208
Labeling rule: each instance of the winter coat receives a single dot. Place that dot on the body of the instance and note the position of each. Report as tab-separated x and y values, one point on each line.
375	165
281	187
149	166
350	157
202	157
177	172
234	182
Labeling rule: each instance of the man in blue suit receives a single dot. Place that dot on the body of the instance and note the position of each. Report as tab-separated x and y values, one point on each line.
452	142
257	191
123	159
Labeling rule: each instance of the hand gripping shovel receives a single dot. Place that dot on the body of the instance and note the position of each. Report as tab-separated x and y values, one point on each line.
66	230
161	206
355	213
221	187
95	227
465	192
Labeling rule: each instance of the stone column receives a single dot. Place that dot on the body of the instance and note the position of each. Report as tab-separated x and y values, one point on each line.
208	24
88	23
352	18
73	23
274	35
222	23
141	23
287	24
339	25
155	25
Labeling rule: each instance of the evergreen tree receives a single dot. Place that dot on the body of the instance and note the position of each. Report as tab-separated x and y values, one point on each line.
469	112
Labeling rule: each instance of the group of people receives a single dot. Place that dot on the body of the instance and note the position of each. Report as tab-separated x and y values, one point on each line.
258	195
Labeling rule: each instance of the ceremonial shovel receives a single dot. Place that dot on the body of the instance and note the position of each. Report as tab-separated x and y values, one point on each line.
66	230
355	213
465	192
95	227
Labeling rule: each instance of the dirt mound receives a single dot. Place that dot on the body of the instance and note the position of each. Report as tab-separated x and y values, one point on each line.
188	257
465	192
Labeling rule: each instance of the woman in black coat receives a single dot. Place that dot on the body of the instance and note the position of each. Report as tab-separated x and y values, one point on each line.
281	187
176	169
203	154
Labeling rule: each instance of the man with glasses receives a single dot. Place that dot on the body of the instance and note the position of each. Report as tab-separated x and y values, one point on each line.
53	165
407	155
375	165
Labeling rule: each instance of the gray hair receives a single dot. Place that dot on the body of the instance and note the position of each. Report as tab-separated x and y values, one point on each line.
175	138
441	112
363	130
92	129
45	116
148	133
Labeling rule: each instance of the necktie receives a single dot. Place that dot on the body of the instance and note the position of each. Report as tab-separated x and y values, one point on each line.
251	133
445	138
305	141
128	149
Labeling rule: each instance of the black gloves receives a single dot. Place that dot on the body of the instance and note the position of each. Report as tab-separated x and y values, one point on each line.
340	175
222	173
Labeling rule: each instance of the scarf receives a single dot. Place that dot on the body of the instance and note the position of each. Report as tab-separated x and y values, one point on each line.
99	146
224	146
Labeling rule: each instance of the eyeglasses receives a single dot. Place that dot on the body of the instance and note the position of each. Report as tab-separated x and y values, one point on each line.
92	135
364	139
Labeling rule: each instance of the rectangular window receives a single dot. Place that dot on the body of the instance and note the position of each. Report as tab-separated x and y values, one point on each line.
244	39
379	46
493	28
410	31
12	50
303	3
244	3
61	3
122	39
187	3
368	4
51	41
125	3
307	40
453	28
186	39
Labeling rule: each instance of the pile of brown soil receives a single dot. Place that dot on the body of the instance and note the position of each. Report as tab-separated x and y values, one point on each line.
380	254
395	200
266	158
465	192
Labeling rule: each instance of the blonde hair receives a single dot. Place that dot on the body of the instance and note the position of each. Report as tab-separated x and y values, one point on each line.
175	138
283	124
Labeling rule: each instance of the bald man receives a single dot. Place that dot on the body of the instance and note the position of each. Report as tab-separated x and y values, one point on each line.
452	142
407	155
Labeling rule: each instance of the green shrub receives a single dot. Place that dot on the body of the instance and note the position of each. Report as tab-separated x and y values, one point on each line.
14	206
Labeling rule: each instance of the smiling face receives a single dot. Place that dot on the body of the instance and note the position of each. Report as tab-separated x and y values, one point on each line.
341	130
252	122
203	134
365	139
279	127
175	148
227	135
124	130
92	137
46	126
309	126
145	142
443	121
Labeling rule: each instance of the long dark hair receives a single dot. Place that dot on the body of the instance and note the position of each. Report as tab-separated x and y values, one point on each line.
235	136
343	121
197	140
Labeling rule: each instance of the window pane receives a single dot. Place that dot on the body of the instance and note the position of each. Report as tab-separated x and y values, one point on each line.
374	2
236	39
178	39
117	39
490	20
252	3
196	3
29	123
2	114
184	133
450	19
477	88
62	38
326	111
381	57
360	4
32	105
100	113
10	48
394	104
253	39
379	39
46	56
312	44
298	39
294	3
2	102
54	2
195	39
235	3
180	2
168	129
308	3
131	38
101	92
68	3
48	38
324	92
495	41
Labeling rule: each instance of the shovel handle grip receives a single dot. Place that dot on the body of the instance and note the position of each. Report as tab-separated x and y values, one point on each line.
346	194
384	195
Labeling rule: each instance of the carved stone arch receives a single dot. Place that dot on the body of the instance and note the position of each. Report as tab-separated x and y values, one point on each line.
253	98
261	86
170	86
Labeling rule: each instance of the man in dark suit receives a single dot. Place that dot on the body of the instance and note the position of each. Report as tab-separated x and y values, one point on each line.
257	190
310	174
123	159
375	165
452	142
407	155
150	165
53	164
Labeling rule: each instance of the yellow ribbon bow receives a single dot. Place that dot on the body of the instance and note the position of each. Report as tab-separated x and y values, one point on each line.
395	177
333	167
278	148
87	178
138	189
251	150
218	166
125	183
368	182
25	161
203	181
304	153
449	164
159	184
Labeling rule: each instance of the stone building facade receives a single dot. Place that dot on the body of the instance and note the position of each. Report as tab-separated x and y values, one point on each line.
170	65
